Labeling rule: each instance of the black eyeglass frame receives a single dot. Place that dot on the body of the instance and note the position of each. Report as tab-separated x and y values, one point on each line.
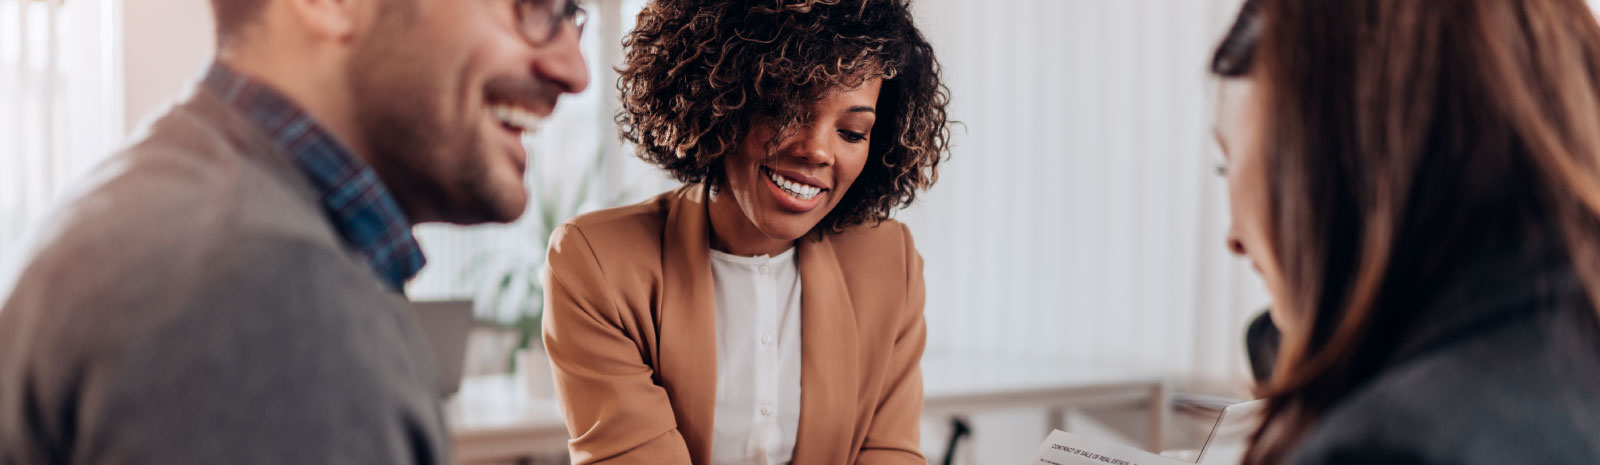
540	22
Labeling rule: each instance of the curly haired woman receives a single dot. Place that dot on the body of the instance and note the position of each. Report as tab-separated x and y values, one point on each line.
769	311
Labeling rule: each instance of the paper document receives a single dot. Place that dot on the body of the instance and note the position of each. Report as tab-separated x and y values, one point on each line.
1063	448
1225	445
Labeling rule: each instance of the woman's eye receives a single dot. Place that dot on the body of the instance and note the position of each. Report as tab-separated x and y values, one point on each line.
852	137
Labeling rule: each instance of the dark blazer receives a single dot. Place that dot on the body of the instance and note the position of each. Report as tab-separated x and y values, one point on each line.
1508	372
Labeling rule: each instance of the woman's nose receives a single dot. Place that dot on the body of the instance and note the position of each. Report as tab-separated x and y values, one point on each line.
811	146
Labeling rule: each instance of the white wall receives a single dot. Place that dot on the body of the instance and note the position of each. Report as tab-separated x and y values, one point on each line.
166	45
1080	214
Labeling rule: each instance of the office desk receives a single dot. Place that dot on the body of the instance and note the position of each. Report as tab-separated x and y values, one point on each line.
955	384
494	419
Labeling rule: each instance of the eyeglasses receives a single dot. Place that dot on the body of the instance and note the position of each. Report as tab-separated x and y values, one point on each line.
541	20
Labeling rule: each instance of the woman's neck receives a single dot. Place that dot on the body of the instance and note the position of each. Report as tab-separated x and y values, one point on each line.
733	232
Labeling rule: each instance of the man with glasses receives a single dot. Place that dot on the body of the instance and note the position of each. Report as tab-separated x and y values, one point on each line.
228	288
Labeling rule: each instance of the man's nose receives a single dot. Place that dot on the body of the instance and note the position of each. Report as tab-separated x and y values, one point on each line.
561	63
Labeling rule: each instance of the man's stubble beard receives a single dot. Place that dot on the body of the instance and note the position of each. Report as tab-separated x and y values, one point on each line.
436	173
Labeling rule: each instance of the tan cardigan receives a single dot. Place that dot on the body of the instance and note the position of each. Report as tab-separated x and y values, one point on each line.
630	325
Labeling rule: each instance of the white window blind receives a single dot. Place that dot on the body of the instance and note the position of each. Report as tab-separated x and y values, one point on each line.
60	108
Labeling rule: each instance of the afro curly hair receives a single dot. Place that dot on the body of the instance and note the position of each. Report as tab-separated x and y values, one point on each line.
698	72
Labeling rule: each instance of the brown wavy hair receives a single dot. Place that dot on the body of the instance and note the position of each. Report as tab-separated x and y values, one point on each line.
1406	143
698	73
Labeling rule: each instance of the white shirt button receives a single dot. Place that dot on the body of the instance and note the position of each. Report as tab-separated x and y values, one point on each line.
766	411
766	339
765	269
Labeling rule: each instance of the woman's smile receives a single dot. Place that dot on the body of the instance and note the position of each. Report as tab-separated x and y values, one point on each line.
794	192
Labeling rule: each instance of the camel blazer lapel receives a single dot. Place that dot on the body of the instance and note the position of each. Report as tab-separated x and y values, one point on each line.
687	321
688	338
829	377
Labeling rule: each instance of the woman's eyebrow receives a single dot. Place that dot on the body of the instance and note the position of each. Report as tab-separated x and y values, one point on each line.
862	109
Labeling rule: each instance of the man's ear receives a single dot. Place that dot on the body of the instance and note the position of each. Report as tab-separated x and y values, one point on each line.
335	20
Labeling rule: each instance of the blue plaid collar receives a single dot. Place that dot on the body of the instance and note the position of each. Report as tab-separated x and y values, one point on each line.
363	211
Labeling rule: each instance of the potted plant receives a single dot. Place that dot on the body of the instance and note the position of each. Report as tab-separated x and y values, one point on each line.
511	295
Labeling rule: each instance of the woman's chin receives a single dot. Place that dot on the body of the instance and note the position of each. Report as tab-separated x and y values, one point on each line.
788	231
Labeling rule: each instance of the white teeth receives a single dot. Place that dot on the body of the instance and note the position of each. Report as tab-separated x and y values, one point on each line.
798	190
517	117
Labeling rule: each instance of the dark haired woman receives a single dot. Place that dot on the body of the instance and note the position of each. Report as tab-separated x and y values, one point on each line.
768	312
1419	183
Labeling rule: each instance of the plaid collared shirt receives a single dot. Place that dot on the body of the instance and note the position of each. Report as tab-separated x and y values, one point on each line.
363	211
